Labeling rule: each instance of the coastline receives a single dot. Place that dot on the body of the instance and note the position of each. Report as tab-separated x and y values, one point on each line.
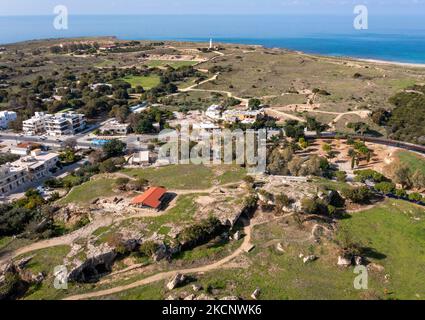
341	57
395	63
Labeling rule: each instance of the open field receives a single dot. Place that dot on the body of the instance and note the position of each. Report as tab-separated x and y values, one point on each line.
89	191
187	177
172	64
147	82
389	233
412	160
393	233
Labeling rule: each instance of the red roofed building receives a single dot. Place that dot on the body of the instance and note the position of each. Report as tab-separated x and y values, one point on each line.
152	198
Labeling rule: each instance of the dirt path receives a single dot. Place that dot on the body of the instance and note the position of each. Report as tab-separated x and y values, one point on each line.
245	247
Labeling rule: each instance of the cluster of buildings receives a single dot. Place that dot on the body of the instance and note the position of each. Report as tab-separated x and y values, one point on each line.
27	169
217	113
60	124
6	117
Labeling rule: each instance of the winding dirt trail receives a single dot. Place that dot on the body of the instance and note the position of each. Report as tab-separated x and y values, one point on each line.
246	245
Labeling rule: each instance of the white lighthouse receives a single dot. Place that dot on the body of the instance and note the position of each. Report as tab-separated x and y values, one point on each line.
211	44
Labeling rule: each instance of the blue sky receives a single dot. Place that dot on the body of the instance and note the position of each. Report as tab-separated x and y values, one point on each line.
45	7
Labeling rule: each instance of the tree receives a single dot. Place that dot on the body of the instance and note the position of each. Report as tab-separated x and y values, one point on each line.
417	197
341	176
418	179
108	166
70	143
327	147
385	187
148	248
281	201
114	148
254	104
401	175
358	195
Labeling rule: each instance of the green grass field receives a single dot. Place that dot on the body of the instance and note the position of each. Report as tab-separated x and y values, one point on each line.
397	239
172	64
412	160
186	177
89	191
394	238
147	82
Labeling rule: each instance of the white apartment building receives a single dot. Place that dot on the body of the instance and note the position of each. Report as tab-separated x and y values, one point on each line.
60	124
6	117
26	170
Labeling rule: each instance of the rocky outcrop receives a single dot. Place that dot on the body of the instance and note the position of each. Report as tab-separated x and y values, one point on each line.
15	279
344	261
99	261
176	281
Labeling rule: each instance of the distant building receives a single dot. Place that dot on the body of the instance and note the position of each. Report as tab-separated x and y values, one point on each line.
113	127
214	112
142	158
6	117
25	170
60	124
243	116
95	86
152	198
139	107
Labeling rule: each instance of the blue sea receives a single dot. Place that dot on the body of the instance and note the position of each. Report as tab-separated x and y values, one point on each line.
391	38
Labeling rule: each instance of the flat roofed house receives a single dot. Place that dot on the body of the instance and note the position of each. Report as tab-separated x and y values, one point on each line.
152	198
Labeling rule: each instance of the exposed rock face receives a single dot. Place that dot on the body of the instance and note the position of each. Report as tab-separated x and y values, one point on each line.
203	296
15	279
358	260
176	281
344	262
230	298
280	248
165	252
196	287
310	258
237	236
99	260
190	297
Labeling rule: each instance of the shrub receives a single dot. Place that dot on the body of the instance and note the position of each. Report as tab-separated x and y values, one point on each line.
417	197
148	248
385	187
358	195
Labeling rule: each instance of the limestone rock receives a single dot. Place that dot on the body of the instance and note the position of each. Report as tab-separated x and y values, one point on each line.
237	236
196	287
230	298
310	258
344	262
280	248
176	281
256	294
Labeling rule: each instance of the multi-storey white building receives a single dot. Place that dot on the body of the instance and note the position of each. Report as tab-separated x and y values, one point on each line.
60	124
26	170
6	117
